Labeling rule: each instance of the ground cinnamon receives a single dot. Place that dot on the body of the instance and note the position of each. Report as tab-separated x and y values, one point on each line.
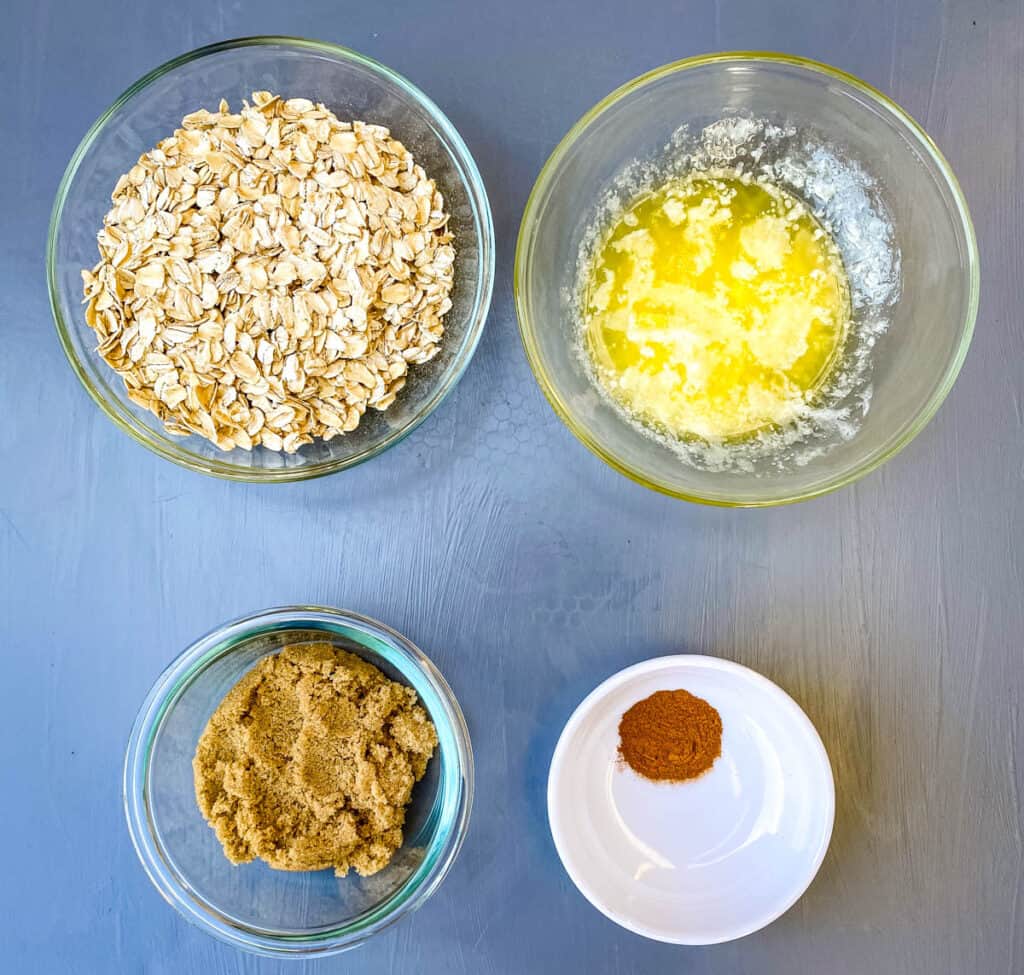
670	736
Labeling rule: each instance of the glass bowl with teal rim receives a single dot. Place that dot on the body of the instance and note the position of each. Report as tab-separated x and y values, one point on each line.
912	365
353	87
272	912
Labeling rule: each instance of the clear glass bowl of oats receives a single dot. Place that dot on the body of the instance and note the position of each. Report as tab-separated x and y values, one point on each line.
327	374
287	913
859	164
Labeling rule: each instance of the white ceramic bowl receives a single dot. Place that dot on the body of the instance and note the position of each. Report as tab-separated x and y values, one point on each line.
703	861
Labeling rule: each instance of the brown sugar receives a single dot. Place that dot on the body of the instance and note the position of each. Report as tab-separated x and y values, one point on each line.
670	736
310	761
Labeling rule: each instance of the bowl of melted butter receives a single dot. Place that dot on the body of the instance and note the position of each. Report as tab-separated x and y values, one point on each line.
746	279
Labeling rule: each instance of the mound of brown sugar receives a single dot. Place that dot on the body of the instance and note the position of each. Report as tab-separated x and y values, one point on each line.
310	760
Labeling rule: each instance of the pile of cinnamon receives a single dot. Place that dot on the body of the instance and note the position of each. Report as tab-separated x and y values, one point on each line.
670	736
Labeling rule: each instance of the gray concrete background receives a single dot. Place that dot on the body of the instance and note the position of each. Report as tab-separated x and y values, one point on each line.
891	611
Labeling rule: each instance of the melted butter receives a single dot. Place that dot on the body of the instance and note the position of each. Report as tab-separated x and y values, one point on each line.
715	307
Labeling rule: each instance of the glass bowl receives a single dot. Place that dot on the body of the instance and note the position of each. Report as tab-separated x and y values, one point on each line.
913	365
266	911
352	86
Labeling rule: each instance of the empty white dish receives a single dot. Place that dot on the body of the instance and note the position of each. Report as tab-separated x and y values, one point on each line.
707	860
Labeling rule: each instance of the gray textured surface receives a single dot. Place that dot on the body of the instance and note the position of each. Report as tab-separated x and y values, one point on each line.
892	611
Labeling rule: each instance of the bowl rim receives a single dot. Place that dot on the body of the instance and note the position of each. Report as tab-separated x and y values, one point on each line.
484	231
528	225
171	685
760	683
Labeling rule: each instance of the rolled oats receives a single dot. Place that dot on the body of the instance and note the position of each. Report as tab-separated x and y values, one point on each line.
267	276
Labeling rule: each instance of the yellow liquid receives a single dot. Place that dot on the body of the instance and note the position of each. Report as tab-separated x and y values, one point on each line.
715	307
